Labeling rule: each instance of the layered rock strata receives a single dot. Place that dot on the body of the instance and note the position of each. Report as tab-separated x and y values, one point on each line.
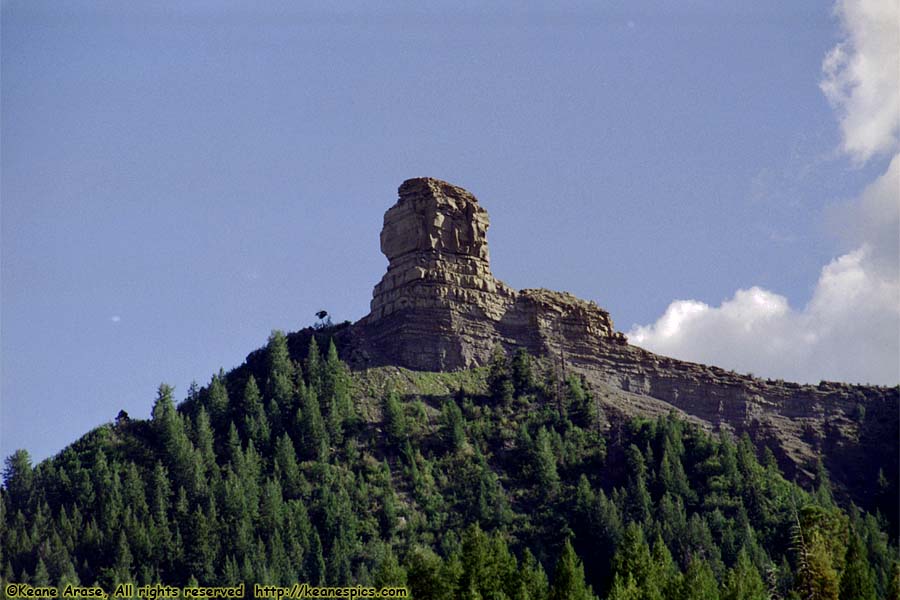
439	307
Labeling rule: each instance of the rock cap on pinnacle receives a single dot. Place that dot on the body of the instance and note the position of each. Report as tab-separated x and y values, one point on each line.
435	216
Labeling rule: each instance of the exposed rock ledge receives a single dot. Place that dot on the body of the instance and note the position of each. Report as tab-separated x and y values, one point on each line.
439	307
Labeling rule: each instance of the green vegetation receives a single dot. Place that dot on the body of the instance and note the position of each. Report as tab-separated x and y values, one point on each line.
502	482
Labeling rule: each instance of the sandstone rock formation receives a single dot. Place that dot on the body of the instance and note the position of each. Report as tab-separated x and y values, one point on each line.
435	239
439	307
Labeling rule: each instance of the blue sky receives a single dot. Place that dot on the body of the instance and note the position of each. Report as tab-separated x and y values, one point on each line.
178	179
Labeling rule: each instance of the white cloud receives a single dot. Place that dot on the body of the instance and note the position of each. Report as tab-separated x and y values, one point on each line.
115	318
849	330
862	77
874	219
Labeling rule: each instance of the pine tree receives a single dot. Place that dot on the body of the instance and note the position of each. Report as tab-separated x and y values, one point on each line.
666	576
544	461
163	407
581	406
279	379
533	584
893	592
453	425
634	560
857	580
395	423
639	497
314	376
41	576
313	438
169	426
336	381
204	441
389	573
817	575
744	581
429	577
18	477
122	569
388	516
286	468
499	381
256	424
488	569
217	400
133	491
699	582
522	372
625	588
315	564
568	577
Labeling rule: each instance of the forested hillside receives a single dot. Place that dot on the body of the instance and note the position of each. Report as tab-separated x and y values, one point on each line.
501	482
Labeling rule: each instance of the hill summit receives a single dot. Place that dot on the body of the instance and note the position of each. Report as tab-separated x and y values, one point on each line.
537	475
439	306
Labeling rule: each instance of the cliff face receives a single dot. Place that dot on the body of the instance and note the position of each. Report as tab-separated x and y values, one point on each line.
439	307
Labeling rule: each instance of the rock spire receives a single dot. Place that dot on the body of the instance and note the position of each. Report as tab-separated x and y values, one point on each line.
439	307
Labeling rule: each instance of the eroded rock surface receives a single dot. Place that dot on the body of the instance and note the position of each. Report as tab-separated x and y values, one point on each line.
439	307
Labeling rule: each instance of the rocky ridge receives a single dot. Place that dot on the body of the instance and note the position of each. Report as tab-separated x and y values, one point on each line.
440	308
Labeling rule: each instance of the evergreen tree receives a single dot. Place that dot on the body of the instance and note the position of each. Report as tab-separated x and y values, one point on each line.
315	564
124	563
544	461
163	407
204	441
41	575
388	516
499	381
625	588
389	573
522	372
217	400
170	429
286	468
817	576
18	478
533	584
256	424
429	577
857	580
568	578
280	378
453	425
581	407
310	427
744	581
314	375
336	383
699	582
395	424
640	503
634	561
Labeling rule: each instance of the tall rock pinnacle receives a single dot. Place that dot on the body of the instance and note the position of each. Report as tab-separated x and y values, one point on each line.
439	307
435	238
